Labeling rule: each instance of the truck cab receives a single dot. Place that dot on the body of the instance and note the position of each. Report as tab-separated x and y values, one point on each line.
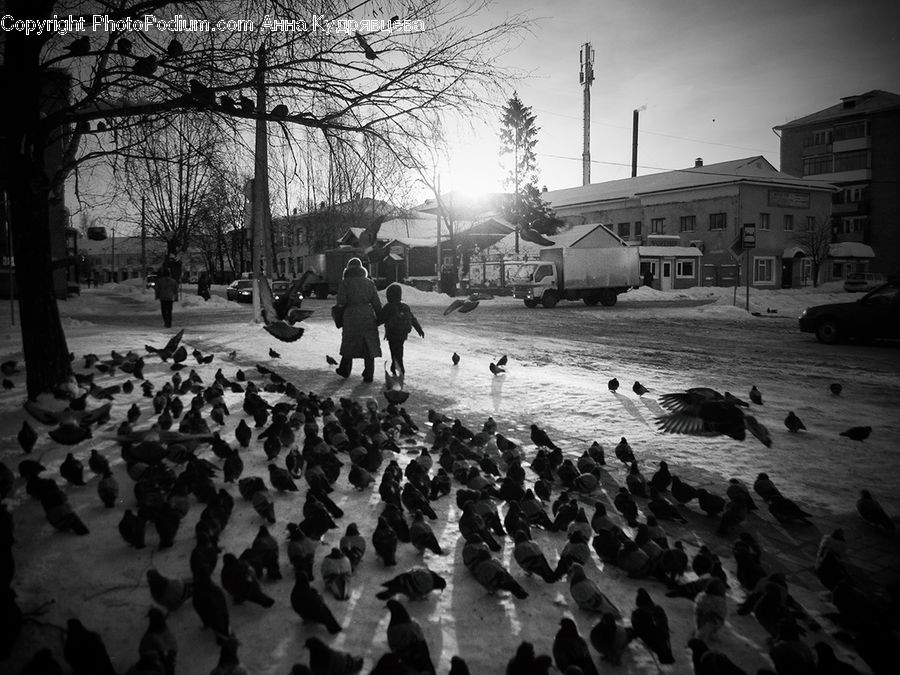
532	279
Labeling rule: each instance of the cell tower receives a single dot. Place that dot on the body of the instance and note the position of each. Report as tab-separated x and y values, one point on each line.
586	77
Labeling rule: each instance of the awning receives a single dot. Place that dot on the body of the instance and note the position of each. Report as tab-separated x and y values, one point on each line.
850	249
669	252
792	251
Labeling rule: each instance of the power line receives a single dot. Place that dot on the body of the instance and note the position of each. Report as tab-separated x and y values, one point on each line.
656	133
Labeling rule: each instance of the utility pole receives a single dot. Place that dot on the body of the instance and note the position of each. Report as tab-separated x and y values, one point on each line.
586	77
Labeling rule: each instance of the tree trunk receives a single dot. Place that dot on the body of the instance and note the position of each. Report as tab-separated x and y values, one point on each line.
43	340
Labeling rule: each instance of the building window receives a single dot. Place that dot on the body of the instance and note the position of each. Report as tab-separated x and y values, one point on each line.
810	223
847	131
816	165
788	222
820	137
763	270
764	221
638	229
624	230
688	223
648	266
684	269
851	161
718	221
853	224
657	226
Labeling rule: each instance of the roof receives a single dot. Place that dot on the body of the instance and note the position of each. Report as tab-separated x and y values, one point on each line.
669	251
419	226
466	206
850	249
414	242
871	102
748	170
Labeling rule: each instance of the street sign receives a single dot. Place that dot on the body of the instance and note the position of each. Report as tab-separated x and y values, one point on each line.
748	235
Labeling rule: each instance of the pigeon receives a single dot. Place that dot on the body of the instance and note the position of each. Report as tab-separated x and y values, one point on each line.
11	367
710	609
661	479
789	653
613	385
458	666
229	663
491	574
422	536
624	452
610	638
570	649
681	491
310	606
169	593
323	660
651	625
415	584
787	511
241	582
502	361
755	395
836	388
639	389
265	545
540	438
406	639
336	571
454	358
765	488
384	540
794	423
587	594
853	433
710	503
531	558
159	641
69	431
27	437
708	662
353	545
243	433
85	652
705	412
281	479
495	369
273	354
209	602
108	489
72	470
132	528
872	512
370	53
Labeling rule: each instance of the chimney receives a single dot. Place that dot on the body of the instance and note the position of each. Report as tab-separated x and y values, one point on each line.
698	162
544	189
634	143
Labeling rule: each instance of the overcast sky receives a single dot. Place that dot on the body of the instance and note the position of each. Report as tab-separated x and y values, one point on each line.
715	77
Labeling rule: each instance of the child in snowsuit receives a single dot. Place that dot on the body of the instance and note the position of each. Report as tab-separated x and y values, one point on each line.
398	321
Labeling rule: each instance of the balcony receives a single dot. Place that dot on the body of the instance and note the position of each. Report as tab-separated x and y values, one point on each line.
861	143
819	149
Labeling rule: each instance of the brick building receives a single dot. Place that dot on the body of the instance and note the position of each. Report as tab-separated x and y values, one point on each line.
856	146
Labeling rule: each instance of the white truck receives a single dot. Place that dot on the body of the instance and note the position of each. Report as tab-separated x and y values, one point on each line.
590	274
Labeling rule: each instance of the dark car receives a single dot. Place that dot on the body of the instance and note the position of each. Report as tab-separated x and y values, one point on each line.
240	290
875	315
151	280
279	288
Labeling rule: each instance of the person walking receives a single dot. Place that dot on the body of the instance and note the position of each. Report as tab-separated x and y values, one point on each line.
361	307
166	293
203	285
398	321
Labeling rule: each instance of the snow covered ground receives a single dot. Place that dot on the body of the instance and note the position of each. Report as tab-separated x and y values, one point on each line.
557	379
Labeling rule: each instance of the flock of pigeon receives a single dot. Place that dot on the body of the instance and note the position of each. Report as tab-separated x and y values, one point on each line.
189	458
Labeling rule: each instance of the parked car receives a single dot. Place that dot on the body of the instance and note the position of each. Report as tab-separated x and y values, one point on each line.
240	290
875	315
279	288
863	281
151	280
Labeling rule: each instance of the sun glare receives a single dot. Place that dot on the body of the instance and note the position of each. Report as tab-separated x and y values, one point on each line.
473	171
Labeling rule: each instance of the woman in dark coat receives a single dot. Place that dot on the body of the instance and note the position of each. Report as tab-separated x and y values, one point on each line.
359	337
